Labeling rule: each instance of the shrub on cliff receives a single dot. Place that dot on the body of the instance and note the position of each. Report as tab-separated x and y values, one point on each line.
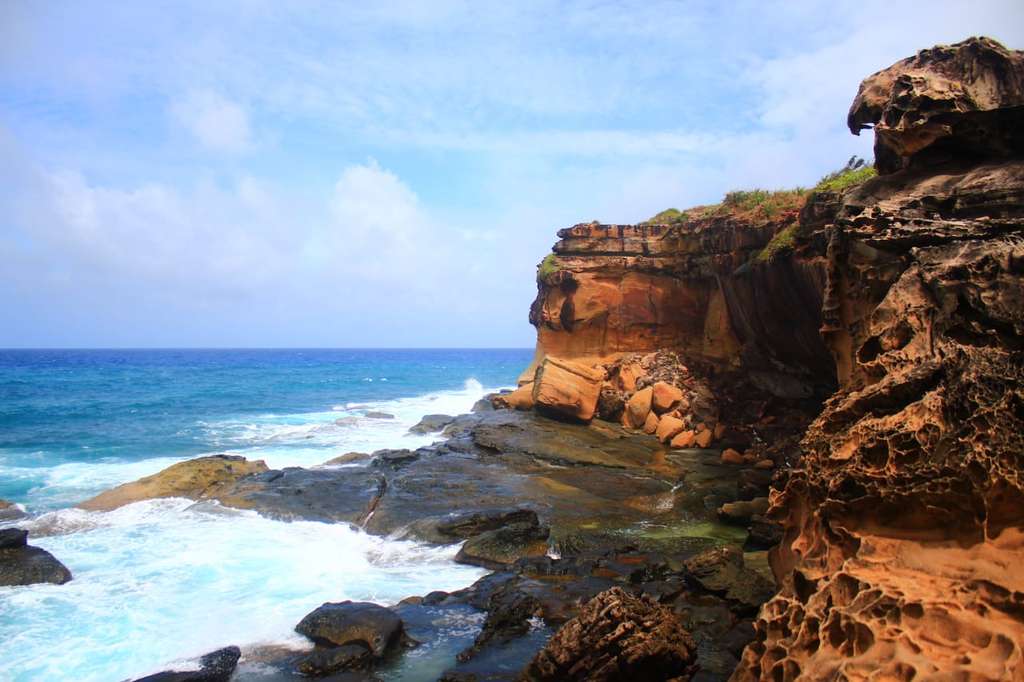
761	203
547	267
669	216
853	173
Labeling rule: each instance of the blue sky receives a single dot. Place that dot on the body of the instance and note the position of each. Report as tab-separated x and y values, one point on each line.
330	174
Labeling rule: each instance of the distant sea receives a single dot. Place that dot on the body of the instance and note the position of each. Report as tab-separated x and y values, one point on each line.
160	581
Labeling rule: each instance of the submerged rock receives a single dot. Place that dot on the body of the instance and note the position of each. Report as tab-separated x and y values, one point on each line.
216	666
22	564
617	637
197	479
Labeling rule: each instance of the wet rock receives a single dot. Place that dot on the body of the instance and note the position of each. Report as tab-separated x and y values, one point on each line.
348	458
394	459
742	511
474	523
722	571
638	408
566	389
22	564
323	661
10	511
762	533
500	548
216	666
619	637
508	616
485	404
336	624
651	425
730	456
432	423
684	439
197	479
665	397
379	415
703	438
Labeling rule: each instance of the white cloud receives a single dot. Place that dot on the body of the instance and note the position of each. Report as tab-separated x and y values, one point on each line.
215	121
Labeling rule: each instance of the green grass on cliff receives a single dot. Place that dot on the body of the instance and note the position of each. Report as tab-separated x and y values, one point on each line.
669	216
855	172
547	267
783	242
761	203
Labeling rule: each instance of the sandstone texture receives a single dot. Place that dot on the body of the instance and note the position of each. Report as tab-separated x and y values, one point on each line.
567	389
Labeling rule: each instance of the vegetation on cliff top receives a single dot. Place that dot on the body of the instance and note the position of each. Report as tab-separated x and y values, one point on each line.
855	172
546	267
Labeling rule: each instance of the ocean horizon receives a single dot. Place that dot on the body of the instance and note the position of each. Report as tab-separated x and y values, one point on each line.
160	581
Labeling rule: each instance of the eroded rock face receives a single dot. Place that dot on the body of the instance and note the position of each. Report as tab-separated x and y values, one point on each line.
903	548
950	101
617	636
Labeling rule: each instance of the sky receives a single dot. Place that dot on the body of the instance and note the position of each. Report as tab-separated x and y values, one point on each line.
343	174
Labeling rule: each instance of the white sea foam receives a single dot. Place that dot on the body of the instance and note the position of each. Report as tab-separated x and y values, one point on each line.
163	580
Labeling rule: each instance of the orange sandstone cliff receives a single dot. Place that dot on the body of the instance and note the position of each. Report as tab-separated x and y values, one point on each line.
892	313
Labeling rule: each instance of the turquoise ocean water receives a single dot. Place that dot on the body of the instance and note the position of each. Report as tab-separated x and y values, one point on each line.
159	581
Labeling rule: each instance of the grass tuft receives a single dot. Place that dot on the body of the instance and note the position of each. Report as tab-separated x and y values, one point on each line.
547	267
855	172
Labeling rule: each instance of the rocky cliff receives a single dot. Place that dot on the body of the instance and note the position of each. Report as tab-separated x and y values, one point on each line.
899	302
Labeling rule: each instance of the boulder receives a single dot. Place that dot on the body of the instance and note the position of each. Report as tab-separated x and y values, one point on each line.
668	428
764	464
703	439
684	439
664	397
610	403
651	425
10	511
722	572
432	423
336	624
484	404
509	611
965	99
22	564
196	479
324	661
638	407
519	399
730	456
567	389
616	637
216	666
497	549
742	511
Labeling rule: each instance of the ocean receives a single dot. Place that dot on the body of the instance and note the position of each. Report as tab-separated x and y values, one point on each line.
160	581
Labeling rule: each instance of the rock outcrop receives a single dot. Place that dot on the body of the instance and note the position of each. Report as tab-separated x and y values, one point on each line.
197	479
616	637
216	666
23	564
903	552
349	636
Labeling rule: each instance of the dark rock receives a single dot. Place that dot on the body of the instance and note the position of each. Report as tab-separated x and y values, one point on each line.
762	534
22	564
340	623
324	661
742	511
379	415
394	459
432	423
474	523
216	666
508	615
484	404
500	548
13	537
349	458
616	637
722	571
610	404
10	511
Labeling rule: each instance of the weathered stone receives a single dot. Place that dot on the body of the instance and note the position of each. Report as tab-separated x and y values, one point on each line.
668	428
651	425
348	458
432	423
336	624
519	399
616	637
10	511
567	389
730	456
703	438
323	661
684	439
474	523
22	564
664	397
201	478
216	666
742	511
610	404
638	408
500	548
